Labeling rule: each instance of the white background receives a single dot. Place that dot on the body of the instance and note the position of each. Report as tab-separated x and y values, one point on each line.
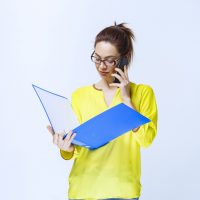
49	43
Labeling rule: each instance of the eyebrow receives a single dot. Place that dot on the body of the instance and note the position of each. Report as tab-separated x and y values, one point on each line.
106	56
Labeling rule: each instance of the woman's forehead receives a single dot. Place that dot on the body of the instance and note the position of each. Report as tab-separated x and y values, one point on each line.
105	49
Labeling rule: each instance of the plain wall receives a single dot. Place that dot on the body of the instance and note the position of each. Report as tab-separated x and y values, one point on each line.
49	43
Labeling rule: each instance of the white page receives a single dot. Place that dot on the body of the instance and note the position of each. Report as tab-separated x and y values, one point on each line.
58	110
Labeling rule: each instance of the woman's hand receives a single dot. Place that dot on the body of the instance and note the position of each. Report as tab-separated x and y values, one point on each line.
65	144
124	84
124	88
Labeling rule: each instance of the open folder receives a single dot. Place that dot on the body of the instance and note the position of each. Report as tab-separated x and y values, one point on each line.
95	132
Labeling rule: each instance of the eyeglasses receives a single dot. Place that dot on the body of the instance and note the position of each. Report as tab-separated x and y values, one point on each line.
109	62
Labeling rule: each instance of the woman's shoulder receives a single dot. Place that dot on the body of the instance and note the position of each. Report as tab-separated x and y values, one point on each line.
81	90
140	86
142	92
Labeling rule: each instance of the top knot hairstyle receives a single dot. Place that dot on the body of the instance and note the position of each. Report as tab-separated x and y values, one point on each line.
121	36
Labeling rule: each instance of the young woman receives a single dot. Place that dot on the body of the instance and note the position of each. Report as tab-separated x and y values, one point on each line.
112	171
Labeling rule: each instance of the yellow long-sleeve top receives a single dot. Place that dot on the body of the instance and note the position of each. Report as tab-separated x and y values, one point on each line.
111	171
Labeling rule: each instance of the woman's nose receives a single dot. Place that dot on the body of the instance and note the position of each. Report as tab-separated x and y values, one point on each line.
102	65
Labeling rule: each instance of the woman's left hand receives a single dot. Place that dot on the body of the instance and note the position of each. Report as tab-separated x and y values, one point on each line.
124	87
124	84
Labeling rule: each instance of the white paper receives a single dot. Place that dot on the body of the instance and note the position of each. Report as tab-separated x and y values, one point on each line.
58	109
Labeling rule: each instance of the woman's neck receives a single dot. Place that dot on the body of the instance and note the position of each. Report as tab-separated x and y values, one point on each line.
104	85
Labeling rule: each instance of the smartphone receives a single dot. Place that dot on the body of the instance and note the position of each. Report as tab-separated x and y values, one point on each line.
123	61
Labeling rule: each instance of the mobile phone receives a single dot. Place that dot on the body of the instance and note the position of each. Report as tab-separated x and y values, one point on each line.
122	61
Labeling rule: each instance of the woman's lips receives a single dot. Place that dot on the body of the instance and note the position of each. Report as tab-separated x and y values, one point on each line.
103	73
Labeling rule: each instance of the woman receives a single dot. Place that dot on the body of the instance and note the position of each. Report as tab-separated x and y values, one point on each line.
112	171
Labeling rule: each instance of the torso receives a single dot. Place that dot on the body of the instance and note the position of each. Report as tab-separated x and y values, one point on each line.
108	93
108	97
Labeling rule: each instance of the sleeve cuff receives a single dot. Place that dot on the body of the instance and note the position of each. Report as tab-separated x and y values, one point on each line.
66	155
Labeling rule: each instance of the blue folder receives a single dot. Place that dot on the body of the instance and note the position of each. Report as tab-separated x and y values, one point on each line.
99	130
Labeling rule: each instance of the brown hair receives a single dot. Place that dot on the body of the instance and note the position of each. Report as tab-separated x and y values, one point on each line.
120	36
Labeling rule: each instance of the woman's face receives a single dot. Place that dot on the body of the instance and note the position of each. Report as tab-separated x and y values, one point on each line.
108	52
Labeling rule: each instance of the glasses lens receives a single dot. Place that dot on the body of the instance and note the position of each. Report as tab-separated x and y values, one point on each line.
107	62
96	60
110	63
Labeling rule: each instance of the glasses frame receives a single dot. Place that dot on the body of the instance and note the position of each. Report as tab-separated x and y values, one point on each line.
103	60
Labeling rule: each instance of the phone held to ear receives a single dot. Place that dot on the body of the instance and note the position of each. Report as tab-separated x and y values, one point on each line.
123	61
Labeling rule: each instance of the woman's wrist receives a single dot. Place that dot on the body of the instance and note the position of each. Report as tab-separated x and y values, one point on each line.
70	150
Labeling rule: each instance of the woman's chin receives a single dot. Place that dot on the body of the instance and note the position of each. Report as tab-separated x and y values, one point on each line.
107	79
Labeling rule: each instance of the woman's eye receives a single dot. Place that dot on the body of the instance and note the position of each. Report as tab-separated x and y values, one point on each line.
110	61
97	59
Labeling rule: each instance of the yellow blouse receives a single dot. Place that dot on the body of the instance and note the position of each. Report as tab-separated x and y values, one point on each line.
112	171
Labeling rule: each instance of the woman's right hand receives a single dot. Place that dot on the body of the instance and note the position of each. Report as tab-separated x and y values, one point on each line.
65	144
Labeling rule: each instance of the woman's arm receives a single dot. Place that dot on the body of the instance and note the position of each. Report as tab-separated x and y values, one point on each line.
70	155
148	107
146	133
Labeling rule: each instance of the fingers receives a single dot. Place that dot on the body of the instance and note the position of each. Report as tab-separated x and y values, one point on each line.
118	77
68	135
58	137
55	138
60	140
66	140
50	129
71	139
66	143
122	74
114	84
126	72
